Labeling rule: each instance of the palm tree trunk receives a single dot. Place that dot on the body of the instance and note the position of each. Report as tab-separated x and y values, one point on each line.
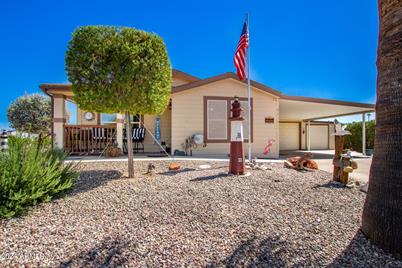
129	138
382	214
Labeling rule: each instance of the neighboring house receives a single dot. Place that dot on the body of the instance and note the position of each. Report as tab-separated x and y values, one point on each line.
202	106
4	134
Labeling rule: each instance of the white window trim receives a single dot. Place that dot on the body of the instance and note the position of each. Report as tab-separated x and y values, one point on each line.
228	106
224	102
107	122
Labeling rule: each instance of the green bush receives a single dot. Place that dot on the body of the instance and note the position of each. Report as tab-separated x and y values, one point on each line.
30	174
31	114
354	141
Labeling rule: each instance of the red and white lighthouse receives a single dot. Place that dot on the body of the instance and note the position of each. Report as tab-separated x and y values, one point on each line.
237	164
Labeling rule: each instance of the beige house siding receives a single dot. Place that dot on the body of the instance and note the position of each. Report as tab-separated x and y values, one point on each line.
166	121
59	111
82	121
149	124
188	117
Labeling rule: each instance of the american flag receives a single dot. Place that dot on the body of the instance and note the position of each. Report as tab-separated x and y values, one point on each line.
240	55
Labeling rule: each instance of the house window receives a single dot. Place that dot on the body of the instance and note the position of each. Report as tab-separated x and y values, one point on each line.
71	112
136	121
217	118
108	119
216	123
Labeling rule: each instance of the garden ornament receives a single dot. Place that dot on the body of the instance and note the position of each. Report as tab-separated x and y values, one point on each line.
151	169
268	147
237	161
342	162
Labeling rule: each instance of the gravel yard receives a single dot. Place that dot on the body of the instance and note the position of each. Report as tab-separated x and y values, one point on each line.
274	218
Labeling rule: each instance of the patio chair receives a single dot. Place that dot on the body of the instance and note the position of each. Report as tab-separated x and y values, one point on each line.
138	140
98	138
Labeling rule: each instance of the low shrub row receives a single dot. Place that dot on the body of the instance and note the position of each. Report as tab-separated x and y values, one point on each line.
354	141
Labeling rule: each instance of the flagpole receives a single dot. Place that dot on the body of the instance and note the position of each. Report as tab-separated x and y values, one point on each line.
248	92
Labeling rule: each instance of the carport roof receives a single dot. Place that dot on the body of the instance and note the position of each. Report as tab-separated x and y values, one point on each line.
295	108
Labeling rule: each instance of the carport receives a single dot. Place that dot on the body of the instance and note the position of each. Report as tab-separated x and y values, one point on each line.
299	125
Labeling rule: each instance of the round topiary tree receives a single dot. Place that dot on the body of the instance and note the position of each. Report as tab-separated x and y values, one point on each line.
119	70
31	114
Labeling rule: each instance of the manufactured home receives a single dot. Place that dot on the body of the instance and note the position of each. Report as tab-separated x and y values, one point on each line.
201	107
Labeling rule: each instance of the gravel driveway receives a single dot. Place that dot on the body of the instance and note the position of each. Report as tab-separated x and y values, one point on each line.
274	218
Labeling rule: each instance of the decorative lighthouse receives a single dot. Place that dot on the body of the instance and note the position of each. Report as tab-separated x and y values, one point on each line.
237	162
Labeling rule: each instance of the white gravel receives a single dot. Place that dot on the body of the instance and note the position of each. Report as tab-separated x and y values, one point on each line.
274	218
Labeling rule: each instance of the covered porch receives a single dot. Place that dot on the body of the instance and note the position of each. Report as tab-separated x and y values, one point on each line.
80	132
307	123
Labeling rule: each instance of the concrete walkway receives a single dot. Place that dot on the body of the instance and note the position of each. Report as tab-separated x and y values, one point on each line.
89	159
361	173
322	157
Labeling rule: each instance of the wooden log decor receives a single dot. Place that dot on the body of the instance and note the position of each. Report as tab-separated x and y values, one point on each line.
340	174
339	143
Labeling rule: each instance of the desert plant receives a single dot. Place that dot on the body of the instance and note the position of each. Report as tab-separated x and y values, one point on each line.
119	70
30	174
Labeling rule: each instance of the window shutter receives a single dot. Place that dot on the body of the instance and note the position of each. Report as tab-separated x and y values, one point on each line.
217	119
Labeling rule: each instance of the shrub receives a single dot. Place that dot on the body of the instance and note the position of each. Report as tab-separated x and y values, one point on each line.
30	174
354	141
119	70
31	114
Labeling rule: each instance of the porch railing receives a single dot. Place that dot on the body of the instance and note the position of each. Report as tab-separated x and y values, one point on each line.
88	139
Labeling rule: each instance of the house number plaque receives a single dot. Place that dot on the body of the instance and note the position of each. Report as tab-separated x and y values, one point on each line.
269	120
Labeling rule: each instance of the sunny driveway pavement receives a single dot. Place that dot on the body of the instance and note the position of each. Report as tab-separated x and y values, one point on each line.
324	161
361	173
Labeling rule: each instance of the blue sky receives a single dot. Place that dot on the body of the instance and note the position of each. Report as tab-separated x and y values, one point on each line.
312	48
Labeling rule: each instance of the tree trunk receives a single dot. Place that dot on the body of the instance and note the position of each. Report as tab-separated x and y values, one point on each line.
382	214
129	138
39	144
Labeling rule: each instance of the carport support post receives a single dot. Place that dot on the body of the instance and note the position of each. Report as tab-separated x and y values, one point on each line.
364	133
308	136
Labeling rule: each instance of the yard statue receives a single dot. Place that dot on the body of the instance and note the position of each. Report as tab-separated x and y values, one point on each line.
237	164
346	166
236	108
268	147
343	163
